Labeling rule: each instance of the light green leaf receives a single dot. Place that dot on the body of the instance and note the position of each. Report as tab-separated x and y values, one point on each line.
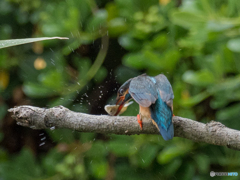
170	152
234	45
15	42
99	169
97	21
188	19
217	26
165	61
135	60
53	79
129	43
199	78
35	90
117	26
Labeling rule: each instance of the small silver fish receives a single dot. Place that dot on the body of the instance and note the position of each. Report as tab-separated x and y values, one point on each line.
112	109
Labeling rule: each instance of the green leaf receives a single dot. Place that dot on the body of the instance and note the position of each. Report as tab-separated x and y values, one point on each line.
173	166
66	101
228	84
188	19
15	42
99	168
202	161
171	152
100	75
83	65
97	21
135	60
159	41
117	26
217	26
145	156
234	45
188	172
152	60
121	147
35	90
50	160
123	73
20	167
195	99
199	78
52	79
98	151
228	113
129	43
86	137
62	135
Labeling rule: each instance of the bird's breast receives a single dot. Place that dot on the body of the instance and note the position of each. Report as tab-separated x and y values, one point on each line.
145	112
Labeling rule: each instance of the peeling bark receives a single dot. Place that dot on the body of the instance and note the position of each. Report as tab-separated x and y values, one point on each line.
61	117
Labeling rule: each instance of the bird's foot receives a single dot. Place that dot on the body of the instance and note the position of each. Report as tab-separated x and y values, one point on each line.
140	121
173	115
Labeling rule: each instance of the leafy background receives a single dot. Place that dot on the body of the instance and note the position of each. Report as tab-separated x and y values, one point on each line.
196	44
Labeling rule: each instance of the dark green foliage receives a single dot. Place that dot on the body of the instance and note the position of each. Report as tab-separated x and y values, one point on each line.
195	44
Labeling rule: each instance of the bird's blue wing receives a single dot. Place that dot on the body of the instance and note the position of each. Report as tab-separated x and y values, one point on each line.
161	111
165	89
143	90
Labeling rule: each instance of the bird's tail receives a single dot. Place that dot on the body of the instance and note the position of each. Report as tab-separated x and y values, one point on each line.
167	134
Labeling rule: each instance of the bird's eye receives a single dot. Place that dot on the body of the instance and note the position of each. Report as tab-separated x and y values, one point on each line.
121	91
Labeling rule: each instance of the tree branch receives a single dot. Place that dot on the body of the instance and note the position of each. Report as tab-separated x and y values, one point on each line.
61	117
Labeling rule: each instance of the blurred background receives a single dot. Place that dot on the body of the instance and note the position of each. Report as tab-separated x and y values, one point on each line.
196	44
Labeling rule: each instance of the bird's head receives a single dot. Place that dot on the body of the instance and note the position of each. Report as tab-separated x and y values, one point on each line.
123	95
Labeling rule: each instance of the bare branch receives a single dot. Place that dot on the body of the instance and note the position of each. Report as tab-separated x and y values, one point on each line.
61	117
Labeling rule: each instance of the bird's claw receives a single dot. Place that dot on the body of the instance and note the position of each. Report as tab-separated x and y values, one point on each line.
140	121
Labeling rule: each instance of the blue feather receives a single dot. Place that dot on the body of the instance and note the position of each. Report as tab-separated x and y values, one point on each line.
161	113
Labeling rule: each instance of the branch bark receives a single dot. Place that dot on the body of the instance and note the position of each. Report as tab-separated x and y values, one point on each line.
61	117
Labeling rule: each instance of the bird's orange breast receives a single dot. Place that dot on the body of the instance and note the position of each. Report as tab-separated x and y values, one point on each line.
145	112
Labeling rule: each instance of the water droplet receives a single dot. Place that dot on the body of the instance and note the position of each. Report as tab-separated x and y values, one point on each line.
42	144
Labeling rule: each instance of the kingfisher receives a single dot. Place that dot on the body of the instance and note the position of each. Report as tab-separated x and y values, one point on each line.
155	98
